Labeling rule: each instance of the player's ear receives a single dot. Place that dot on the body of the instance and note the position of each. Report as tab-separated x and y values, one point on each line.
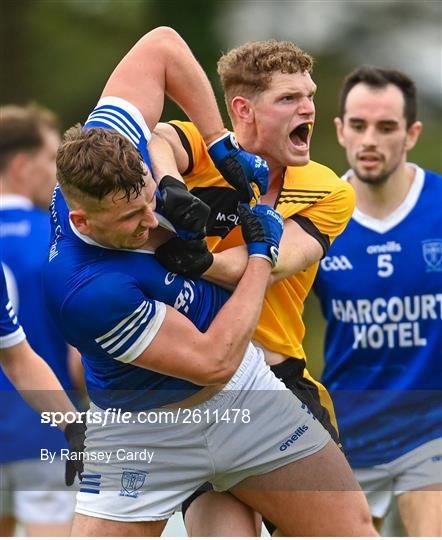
242	109
339	125
80	220
413	133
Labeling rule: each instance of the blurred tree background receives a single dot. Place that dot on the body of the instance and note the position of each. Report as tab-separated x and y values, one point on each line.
60	53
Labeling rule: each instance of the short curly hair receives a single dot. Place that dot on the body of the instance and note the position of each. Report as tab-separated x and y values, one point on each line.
94	162
248	69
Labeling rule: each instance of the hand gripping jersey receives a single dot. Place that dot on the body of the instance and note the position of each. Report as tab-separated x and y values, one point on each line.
313	196
25	233
11	333
380	289
110	304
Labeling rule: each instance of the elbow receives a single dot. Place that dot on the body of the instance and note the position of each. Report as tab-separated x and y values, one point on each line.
219	376
164	37
162	32
217	372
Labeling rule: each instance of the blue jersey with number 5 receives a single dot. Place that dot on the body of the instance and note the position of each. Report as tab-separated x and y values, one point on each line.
380	289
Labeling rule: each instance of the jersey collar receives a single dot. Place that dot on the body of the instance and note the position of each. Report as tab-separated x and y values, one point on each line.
386	224
91	242
13	201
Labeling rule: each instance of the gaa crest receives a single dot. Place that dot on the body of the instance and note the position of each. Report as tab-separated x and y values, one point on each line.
131	482
432	253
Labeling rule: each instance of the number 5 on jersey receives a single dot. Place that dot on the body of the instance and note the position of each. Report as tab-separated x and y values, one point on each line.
385	265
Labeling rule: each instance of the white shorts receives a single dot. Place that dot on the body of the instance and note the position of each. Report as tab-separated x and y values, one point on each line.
253	426
33	491
414	470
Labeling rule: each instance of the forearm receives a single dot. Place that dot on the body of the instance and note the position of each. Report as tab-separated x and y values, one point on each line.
35	380
163	159
297	251
162	63
228	267
235	324
211	357
187	84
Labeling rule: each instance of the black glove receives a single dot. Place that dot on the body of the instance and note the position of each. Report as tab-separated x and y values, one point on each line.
187	213
75	434
190	258
262	228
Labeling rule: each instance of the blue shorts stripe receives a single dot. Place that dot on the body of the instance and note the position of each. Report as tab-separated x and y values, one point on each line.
89	490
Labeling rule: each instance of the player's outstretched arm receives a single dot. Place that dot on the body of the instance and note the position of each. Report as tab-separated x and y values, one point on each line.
298	250
159	64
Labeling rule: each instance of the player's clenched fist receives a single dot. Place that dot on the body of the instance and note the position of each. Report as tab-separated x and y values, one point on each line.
262	228
239	168
190	258
187	213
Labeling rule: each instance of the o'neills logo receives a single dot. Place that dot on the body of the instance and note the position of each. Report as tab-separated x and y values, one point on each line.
389	247
298	433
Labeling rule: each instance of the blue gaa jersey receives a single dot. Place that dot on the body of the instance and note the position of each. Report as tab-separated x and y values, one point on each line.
110	304
380	289
24	232
11	333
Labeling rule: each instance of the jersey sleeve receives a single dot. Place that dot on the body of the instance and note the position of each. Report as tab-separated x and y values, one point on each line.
200	163
122	116
11	333
112	314
329	212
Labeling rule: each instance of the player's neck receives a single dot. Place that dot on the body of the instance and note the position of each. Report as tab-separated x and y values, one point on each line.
380	200
276	178
8	187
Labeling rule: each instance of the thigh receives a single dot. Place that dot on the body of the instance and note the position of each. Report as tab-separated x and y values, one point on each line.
272	428
421	511
221	514
92	526
315	496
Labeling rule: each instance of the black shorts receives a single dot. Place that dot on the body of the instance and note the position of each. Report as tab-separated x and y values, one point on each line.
291	373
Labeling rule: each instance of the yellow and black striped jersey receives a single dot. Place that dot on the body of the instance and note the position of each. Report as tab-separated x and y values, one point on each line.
313	195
